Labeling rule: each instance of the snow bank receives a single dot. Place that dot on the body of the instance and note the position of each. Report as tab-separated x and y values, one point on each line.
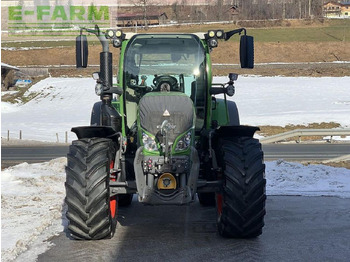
284	178
32	197
31	207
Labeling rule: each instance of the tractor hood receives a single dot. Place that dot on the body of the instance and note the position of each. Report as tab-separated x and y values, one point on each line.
159	108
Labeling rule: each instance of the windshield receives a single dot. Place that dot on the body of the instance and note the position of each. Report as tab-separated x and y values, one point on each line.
165	62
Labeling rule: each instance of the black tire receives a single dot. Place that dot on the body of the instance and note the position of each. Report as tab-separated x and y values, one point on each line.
207	199
92	213
125	200
241	204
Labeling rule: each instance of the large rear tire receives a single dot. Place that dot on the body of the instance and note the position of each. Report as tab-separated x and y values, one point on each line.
92	213
241	204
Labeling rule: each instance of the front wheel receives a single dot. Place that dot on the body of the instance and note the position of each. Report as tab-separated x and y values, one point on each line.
92	212
241	203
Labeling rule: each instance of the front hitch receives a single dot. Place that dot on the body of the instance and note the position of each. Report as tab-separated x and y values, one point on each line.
166	127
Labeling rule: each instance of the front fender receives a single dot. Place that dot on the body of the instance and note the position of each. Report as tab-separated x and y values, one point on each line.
94	131
236	131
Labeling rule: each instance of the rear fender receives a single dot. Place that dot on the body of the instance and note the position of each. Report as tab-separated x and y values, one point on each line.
225	113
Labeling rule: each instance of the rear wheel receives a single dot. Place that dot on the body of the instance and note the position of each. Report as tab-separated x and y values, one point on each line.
241	203
92	213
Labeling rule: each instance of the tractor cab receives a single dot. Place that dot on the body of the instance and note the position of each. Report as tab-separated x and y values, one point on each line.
160	64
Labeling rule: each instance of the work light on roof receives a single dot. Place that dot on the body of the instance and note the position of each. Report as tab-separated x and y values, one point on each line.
110	34
118	33
219	33
211	33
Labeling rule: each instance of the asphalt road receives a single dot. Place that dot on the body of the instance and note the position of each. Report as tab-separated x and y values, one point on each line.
11	155
296	229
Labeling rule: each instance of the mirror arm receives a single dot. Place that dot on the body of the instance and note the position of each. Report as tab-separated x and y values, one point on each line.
229	34
96	31
116	90
217	89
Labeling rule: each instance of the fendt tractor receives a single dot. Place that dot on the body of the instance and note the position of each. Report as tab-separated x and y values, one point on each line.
165	132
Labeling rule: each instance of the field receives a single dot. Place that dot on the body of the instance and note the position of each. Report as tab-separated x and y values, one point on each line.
281	42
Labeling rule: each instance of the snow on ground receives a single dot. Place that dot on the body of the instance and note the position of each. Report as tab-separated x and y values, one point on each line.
61	103
32	198
284	178
281	101
31	207
32	195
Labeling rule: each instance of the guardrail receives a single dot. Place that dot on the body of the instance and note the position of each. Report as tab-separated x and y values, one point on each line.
305	132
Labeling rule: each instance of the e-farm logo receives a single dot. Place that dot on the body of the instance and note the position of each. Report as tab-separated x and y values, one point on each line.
47	18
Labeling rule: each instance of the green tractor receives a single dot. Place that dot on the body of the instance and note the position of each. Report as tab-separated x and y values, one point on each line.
160	132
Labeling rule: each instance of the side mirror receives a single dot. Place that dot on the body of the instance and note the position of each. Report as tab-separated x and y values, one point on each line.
81	51
247	51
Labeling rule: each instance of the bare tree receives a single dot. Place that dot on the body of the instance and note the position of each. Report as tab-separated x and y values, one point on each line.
176	10
144	5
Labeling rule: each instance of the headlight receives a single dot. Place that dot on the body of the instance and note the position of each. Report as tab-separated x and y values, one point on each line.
98	89
211	33
184	142
149	143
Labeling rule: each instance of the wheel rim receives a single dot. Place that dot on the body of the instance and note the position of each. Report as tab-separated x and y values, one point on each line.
113	200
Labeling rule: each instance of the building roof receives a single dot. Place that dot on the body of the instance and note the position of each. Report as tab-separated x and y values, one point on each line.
139	15
6	66
343	3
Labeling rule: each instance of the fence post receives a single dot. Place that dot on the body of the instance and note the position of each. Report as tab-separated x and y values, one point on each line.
20	134
66	137
57	138
8	135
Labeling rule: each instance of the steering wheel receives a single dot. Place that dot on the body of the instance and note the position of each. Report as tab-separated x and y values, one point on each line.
139	88
165	83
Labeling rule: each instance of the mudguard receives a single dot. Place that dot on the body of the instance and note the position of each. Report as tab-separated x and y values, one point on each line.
96	114
225	113
236	131
94	131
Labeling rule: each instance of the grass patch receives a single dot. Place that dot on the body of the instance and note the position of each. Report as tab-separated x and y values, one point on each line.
314	34
294	31
274	130
44	43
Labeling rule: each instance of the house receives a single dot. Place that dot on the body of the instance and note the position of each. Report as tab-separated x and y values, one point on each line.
345	9
7	76
332	9
234	10
339	9
139	19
